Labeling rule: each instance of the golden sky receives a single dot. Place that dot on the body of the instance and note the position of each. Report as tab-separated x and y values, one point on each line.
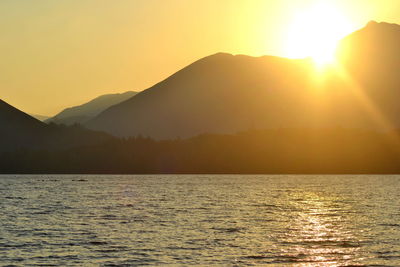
55	54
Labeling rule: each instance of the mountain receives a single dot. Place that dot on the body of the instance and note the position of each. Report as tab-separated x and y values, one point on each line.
371	53
18	131
371	58
81	114
292	117
224	93
30	146
17	128
40	117
221	93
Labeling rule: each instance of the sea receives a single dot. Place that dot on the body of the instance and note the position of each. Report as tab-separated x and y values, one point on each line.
199	220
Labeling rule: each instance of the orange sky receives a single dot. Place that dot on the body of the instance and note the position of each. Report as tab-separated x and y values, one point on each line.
55	54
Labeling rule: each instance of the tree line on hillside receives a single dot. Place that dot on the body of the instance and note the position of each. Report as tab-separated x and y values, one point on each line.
254	152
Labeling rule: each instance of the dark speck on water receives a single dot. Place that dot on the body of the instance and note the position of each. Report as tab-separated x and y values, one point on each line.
203	220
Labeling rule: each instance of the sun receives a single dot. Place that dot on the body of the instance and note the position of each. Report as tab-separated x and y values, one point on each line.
315	31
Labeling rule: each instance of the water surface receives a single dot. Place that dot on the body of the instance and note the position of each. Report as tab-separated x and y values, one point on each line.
206	220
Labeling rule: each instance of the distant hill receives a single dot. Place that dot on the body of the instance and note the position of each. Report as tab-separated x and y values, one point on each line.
40	117
83	113
224	93
18	131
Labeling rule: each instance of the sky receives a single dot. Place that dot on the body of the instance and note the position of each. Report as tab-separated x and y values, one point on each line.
57	54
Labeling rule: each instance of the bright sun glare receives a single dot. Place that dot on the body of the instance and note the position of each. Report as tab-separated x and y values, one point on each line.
315	32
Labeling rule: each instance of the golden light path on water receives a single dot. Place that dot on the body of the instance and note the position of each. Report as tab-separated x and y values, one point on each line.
319	234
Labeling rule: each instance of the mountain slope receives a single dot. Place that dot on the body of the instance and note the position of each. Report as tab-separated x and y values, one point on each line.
371	58
223	93
220	93
18	130
81	114
40	117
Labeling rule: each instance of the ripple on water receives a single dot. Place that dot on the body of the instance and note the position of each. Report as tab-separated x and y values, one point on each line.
227	220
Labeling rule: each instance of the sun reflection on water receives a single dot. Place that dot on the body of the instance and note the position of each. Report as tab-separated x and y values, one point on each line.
318	234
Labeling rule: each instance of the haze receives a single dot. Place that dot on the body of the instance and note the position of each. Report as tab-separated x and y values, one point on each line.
56	54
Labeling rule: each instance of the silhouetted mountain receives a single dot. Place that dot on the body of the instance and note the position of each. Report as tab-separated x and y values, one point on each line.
312	122
40	117
83	113
18	130
372	53
371	57
223	93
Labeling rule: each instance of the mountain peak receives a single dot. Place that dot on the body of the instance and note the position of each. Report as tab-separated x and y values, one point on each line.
376	32
382	26
218	56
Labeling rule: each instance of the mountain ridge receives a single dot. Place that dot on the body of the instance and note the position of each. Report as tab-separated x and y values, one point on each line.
21	131
84	112
191	88
264	92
